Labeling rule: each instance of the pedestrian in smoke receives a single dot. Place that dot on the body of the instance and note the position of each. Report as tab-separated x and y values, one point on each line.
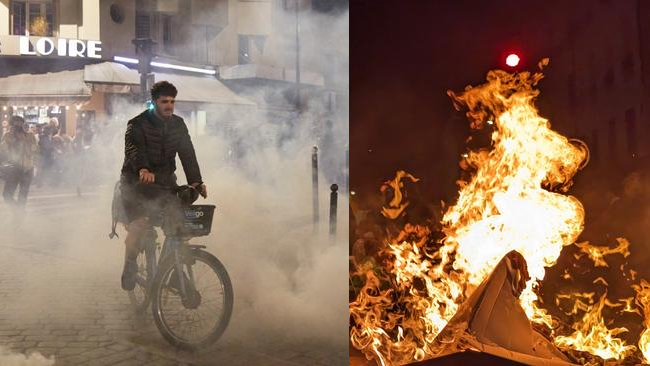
5	128
47	151
21	151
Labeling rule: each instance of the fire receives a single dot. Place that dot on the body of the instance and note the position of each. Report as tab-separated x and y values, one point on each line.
643	301
592	335
508	205
597	253
515	200
396	206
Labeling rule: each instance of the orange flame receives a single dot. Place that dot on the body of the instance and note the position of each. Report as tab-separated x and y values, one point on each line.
592	335
506	206
515	201
643	301
396	206
597	253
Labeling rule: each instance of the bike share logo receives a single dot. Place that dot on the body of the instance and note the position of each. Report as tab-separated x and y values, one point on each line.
190	214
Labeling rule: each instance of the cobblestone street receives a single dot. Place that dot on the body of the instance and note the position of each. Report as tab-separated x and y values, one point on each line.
57	302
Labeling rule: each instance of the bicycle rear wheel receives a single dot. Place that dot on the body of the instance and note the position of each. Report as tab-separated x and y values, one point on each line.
140	295
200	318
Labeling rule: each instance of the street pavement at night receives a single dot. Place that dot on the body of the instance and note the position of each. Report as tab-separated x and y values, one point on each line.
63	298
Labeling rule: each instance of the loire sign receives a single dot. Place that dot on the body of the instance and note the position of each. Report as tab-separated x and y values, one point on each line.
42	46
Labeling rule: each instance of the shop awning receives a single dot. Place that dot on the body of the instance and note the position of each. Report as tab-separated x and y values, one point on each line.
68	87
274	73
203	89
111	77
55	88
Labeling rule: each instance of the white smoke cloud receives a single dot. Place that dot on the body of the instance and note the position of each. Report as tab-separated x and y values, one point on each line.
8	358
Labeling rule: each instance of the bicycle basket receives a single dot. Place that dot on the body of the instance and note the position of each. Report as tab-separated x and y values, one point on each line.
197	220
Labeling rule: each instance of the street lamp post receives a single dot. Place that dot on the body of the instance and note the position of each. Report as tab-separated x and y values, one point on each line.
297	11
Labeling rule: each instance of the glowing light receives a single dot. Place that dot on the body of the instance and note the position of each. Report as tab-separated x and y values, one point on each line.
125	60
166	65
512	60
183	68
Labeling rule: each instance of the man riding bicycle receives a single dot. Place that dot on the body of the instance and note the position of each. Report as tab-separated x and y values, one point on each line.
152	140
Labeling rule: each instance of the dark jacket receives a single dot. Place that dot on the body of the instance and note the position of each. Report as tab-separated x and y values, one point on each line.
153	144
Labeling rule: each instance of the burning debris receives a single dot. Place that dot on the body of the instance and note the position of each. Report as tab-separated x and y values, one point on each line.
477	287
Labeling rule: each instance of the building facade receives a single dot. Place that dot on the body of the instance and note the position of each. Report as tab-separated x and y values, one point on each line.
251	42
599	77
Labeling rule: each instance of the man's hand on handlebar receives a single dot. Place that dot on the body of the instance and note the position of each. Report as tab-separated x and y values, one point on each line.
146	176
202	189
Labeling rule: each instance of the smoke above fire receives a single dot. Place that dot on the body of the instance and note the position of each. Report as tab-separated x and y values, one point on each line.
514	195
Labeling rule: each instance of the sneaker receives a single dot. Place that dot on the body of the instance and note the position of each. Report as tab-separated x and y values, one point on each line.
128	274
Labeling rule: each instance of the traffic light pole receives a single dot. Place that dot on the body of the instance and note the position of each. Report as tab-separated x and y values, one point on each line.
144	50
297	4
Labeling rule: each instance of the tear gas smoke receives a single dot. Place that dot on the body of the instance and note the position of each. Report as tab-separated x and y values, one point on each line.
9	358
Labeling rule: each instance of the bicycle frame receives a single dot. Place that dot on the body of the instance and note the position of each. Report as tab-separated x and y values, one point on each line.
174	246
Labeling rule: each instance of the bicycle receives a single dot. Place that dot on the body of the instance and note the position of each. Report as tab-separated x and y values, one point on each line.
172	284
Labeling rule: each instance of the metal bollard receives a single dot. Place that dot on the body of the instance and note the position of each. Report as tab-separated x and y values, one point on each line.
346	184
314	180
333	207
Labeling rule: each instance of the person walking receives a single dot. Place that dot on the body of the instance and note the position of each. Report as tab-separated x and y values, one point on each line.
21	151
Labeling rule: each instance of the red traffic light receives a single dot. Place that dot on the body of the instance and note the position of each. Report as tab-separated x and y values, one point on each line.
512	60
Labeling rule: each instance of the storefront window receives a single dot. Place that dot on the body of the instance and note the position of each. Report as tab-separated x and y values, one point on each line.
167	33
18	16
33	18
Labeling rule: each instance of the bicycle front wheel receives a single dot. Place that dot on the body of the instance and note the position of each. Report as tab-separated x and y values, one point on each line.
198	318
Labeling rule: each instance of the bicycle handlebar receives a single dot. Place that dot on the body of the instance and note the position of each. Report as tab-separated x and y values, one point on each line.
186	193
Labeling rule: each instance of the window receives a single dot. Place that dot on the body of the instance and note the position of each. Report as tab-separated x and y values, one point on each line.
608	80
291	4
630	131
18	18
167	32
244	50
627	66
32	18
594	146
611	126
142	24
571	89
329	6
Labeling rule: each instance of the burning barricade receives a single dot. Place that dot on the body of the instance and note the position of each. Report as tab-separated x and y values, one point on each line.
475	288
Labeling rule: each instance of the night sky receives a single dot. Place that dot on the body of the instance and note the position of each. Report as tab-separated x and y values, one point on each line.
404	57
